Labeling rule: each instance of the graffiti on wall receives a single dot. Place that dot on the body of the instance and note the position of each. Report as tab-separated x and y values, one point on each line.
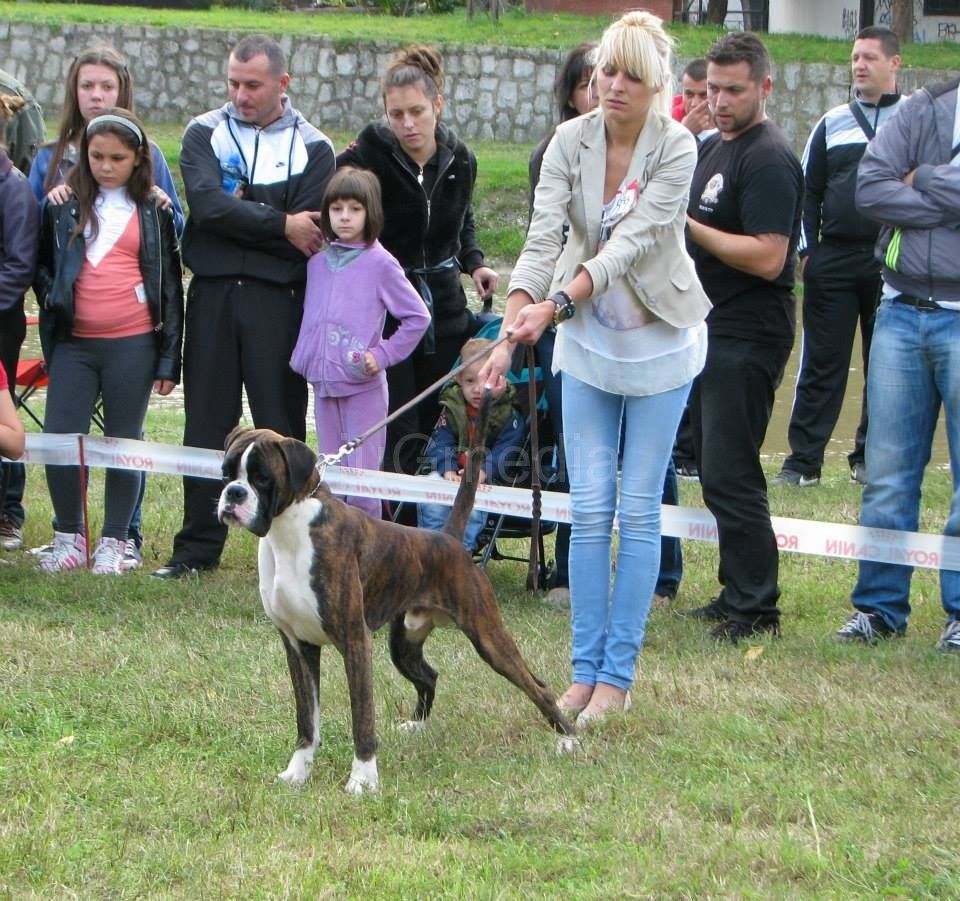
850	22
883	12
925	28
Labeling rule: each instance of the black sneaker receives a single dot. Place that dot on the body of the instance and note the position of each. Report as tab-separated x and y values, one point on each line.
950	638
866	627
858	473
732	630
796	479
176	569
714	610
688	471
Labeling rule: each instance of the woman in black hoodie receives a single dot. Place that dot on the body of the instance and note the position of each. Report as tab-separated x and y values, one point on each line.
426	177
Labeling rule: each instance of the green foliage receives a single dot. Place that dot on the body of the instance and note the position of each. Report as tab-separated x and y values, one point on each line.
516	27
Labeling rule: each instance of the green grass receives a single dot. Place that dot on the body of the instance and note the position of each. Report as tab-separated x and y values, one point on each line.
141	725
516	28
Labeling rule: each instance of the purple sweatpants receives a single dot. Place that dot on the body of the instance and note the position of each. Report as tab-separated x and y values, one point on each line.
340	419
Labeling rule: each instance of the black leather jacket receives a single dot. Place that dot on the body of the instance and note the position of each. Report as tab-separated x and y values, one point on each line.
423	231
61	257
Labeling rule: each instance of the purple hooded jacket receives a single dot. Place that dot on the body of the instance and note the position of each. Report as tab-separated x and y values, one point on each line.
350	290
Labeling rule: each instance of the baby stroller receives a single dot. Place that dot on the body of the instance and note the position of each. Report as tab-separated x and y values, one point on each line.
532	464
535	468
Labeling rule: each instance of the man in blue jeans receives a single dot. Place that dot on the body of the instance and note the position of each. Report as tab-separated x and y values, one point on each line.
909	180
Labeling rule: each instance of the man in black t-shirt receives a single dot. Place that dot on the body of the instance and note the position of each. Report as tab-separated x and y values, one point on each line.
744	223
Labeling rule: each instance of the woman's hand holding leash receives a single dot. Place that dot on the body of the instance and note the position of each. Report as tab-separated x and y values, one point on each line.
529	322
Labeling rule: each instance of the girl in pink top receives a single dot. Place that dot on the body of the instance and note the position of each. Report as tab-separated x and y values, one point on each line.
111	320
341	351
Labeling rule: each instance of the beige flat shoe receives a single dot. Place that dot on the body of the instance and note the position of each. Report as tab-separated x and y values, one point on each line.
570	707
597	710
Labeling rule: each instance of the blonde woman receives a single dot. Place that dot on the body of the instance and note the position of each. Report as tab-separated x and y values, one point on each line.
630	338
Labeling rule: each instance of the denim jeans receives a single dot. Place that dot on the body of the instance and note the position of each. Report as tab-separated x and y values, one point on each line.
433	516
914	367
671	554
608	624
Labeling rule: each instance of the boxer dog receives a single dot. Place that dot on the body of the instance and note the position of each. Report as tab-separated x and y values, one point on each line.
330	574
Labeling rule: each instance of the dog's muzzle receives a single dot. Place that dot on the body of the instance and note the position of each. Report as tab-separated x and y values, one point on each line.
237	505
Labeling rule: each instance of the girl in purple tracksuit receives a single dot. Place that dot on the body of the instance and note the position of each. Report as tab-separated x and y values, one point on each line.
341	351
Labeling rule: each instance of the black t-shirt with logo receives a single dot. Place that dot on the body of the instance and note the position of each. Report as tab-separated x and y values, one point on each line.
752	185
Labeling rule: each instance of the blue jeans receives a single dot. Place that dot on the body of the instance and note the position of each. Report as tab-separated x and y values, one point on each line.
433	516
608	625
914	367
671	554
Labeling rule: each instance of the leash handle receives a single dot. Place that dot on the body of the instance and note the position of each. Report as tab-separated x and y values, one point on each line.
533	563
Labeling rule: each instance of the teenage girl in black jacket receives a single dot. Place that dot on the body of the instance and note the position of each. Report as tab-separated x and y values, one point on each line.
426	177
111	318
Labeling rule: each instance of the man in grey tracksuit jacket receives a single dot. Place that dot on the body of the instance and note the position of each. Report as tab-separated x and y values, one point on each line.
909	181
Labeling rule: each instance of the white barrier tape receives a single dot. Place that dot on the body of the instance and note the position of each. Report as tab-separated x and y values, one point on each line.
800	536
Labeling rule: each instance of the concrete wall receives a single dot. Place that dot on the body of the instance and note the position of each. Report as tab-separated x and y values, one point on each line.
841	19
493	93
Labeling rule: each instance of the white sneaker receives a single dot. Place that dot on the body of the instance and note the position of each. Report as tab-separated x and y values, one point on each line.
11	535
69	551
132	557
108	557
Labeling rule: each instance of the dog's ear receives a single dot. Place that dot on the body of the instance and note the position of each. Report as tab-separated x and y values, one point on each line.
301	463
234	435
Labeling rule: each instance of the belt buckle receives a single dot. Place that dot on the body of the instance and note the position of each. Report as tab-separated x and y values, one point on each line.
918	303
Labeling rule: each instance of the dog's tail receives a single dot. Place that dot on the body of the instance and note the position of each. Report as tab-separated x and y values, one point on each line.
456	523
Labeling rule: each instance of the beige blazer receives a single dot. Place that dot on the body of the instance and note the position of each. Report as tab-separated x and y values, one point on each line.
647	246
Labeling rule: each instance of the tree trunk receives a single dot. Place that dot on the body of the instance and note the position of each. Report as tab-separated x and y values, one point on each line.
901	20
716	12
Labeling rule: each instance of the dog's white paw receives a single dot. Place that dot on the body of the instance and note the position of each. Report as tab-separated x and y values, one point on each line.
568	744
411	726
363	777
298	770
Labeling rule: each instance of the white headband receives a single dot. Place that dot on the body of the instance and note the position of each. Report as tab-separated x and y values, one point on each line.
119	120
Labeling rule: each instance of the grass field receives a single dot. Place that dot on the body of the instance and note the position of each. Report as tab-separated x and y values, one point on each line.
142	723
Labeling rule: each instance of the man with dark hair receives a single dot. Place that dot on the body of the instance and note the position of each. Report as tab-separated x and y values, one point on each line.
909	180
690	106
744	221
254	171
691	110
841	278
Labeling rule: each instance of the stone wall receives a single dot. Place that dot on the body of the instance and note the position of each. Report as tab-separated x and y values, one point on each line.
493	93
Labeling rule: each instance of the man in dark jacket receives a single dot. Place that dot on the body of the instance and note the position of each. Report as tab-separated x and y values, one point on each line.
841	279
254	171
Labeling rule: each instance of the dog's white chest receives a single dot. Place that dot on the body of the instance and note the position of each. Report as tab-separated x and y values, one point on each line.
285	559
